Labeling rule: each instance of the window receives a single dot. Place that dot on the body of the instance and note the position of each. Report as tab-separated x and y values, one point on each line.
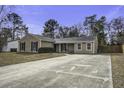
22	46
79	46
88	46
34	46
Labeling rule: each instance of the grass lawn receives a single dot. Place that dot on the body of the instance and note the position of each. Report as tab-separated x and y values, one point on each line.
15	58
118	70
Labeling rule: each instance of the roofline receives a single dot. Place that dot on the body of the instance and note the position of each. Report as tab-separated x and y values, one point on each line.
47	40
72	42
33	35
13	40
29	34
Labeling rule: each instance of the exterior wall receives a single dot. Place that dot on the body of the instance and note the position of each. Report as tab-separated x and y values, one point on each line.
83	47
94	45
47	44
57	47
79	51
28	39
70	48
11	44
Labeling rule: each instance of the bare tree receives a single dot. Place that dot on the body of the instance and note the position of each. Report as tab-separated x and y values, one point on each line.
4	10
118	24
89	23
117	30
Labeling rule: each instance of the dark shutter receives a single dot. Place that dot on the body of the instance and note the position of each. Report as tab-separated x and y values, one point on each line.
31	46
24	46
36	46
20	46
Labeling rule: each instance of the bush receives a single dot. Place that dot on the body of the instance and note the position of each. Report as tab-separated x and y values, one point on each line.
13	50
45	50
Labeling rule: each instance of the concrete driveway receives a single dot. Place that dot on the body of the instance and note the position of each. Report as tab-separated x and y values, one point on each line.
68	71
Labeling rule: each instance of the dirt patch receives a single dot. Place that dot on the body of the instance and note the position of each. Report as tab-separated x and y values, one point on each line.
118	70
15	58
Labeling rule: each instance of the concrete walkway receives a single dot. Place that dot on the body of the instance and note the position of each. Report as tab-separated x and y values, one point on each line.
67	71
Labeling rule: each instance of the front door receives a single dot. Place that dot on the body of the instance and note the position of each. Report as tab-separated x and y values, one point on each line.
34	46
63	48
71	48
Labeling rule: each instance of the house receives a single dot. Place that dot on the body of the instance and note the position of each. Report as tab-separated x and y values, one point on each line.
12	45
32	42
84	44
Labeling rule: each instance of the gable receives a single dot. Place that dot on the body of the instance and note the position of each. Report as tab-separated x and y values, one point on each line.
29	37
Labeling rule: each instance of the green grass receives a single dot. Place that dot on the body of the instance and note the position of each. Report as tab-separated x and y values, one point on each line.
15	58
118	70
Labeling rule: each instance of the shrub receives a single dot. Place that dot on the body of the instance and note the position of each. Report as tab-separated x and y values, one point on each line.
13	50
45	50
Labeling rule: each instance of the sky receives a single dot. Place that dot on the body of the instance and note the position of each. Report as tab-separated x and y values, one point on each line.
67	15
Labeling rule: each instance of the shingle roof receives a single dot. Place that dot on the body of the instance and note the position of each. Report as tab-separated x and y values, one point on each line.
43	38
65	40
75	39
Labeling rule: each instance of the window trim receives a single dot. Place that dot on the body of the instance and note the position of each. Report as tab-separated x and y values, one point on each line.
90	46
22	46
34	46
80	46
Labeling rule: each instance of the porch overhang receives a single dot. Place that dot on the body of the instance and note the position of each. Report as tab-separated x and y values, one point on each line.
70	42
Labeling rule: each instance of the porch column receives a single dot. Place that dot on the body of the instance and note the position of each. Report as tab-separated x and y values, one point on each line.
66	48
93	47
59	47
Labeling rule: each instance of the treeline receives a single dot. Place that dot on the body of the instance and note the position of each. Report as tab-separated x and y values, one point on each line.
11	25
107	32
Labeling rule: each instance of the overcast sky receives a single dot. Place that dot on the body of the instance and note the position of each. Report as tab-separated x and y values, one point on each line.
35	16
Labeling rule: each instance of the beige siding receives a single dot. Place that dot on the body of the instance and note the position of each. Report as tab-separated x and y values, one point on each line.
28	39
83	48
11	44
57	47
94	47
47	44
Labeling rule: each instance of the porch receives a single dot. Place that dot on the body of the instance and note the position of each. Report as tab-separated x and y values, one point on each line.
64	48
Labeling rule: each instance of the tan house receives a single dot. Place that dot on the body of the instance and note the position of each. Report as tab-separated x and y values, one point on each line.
32	42
84	44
